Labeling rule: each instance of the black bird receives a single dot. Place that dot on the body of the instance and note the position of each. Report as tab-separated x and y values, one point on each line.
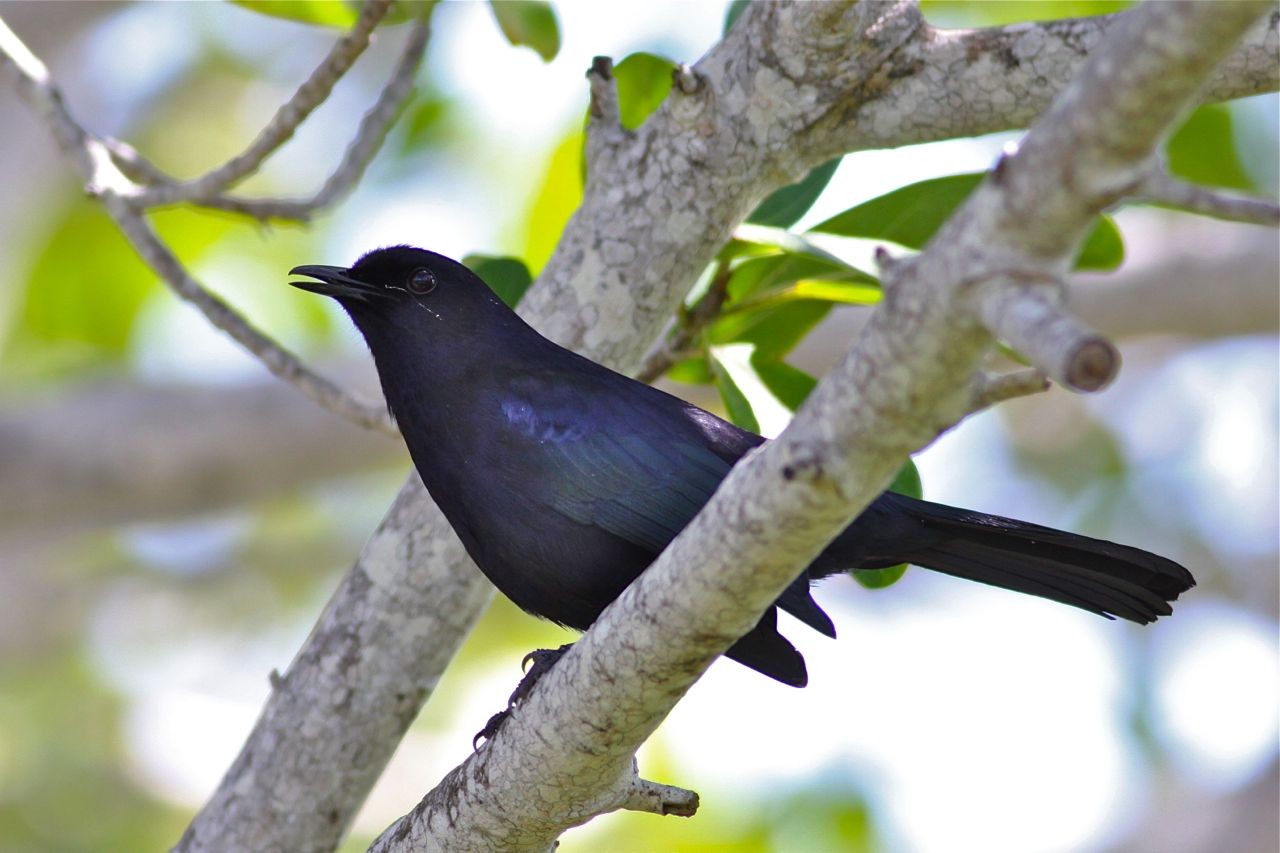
565	480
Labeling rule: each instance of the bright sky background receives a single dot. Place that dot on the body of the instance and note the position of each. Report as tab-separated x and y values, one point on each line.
978	719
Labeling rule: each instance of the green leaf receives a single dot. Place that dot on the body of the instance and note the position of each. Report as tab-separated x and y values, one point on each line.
555	200
908	216
529	23
906	482
507	277
643	79
736	404
911	215
784	206
760	393
775	300
789	385
424	123
880	578
691	371
1203	150
763	272
1103	249
321	13
733	12
774	330
87	287
979	13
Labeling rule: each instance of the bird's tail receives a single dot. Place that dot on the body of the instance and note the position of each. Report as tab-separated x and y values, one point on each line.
1092	574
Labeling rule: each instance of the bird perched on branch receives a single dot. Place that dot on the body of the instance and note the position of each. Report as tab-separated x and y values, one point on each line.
564	479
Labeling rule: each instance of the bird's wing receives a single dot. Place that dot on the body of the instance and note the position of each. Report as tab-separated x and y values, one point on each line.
618	463
638	464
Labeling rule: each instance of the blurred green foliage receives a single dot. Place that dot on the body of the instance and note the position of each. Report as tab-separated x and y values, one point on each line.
529	23
507	277
79	294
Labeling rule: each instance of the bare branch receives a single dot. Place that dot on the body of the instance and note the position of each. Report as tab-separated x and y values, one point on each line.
113	452
280	361
104	179
991	389
1033	322
651	797
373	130
567	750
1160	187
649	223
280	129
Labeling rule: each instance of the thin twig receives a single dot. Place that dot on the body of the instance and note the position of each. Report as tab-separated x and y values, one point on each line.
989	389
369	138
310	95
1160	187
105	179
680	343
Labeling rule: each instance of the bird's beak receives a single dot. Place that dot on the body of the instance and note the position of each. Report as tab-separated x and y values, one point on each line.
335	282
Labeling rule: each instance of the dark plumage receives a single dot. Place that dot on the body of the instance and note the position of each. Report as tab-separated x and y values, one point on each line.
565	479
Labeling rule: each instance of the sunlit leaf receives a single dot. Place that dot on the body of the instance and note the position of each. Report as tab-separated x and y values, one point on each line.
530	23
769	271
507	277
760	393
87	287
691	371
322	13
1103	249
750	239
977	13
906	482
784	206
728	368
643	81
911	215
774	330
1203	150
557	197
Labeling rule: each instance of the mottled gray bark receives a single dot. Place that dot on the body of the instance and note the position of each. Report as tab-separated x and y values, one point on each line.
790	86
567	753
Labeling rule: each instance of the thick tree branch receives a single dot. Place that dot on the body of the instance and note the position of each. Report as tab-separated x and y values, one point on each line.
788	86
566	753
113	453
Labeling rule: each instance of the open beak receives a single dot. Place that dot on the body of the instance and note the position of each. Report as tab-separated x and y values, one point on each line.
335	282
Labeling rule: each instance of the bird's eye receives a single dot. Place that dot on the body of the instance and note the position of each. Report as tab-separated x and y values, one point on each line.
421	281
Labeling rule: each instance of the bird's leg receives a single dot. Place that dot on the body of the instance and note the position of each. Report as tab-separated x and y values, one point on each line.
539	662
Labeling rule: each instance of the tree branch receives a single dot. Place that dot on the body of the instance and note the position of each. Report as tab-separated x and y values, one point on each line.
1160	187
373	130
105	180
311	94
650	221
114	453
566	752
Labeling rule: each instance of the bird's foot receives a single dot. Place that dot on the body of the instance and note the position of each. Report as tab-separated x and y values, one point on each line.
539	663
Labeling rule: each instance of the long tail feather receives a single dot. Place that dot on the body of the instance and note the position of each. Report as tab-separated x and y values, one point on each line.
1092	574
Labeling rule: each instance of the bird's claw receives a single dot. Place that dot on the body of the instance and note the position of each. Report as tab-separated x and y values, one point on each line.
535	665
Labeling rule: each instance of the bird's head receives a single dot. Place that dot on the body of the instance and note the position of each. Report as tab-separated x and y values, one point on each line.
404	290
